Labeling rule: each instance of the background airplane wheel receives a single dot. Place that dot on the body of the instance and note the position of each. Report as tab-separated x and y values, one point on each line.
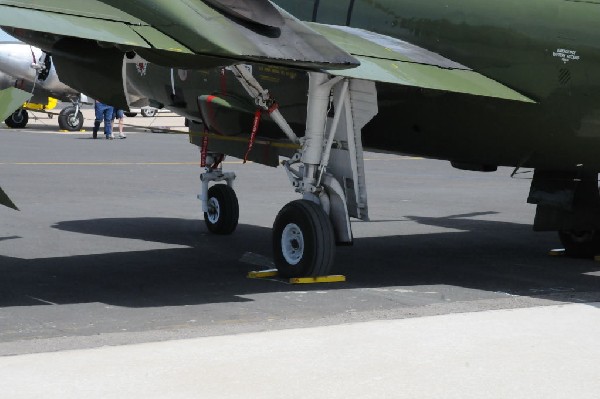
303	240
223	210
148	112
580	244
18	119
68	120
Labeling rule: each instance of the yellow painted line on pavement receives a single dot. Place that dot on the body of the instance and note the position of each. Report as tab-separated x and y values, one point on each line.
406	158
167	163
164	163
107	163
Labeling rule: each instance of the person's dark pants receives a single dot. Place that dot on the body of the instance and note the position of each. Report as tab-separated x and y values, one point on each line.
103	113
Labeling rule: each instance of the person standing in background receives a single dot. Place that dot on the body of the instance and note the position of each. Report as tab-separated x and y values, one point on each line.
119	114
104	113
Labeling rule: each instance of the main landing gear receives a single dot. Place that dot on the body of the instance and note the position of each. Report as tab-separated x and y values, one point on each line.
327	170
568	202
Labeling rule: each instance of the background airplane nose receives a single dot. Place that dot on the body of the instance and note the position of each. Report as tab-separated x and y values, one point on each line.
17	59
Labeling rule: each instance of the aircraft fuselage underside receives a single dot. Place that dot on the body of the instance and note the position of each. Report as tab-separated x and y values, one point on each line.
482	133
429	123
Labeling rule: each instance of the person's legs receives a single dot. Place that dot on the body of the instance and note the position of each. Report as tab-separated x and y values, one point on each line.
96	128
121	134
108	115
119	116
98	109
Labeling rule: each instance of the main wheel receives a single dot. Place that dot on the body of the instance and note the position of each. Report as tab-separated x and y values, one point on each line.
223	210
148	112
580	244
69	120
303	240
18	119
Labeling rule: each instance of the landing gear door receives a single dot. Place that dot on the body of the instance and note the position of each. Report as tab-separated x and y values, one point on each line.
347	160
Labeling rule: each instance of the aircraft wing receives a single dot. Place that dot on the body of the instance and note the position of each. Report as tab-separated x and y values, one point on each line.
168	31
10	100
390	60
209	33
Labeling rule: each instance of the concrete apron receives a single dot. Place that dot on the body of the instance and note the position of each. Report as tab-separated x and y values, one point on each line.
545	352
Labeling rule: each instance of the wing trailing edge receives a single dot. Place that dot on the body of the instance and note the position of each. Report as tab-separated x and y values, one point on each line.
389	60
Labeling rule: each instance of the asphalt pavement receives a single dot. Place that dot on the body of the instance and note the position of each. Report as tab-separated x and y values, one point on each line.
108	258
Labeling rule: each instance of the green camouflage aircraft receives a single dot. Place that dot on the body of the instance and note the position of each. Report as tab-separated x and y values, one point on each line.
480	83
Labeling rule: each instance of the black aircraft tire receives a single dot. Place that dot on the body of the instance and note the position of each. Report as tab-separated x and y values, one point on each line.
148	112
584	244
130	114
224	210
67	120
18	119
303	240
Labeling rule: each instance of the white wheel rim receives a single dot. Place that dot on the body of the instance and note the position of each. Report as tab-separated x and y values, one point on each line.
292	244
214	210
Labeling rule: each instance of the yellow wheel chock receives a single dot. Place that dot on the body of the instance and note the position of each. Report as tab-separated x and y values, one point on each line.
557	252
336	278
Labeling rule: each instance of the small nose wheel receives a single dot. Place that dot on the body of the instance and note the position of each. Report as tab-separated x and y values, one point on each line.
223	210
303	240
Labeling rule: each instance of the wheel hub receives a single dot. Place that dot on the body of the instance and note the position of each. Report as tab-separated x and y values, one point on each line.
292	244
214	210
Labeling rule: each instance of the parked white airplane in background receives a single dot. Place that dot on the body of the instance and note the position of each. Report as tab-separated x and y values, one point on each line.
30	69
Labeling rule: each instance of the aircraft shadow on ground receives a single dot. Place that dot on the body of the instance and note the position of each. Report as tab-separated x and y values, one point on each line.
478	254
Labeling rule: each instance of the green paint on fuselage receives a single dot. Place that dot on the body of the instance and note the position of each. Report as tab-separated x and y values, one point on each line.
548	50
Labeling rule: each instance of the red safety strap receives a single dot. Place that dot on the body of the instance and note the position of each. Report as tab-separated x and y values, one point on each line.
257	116
204	151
